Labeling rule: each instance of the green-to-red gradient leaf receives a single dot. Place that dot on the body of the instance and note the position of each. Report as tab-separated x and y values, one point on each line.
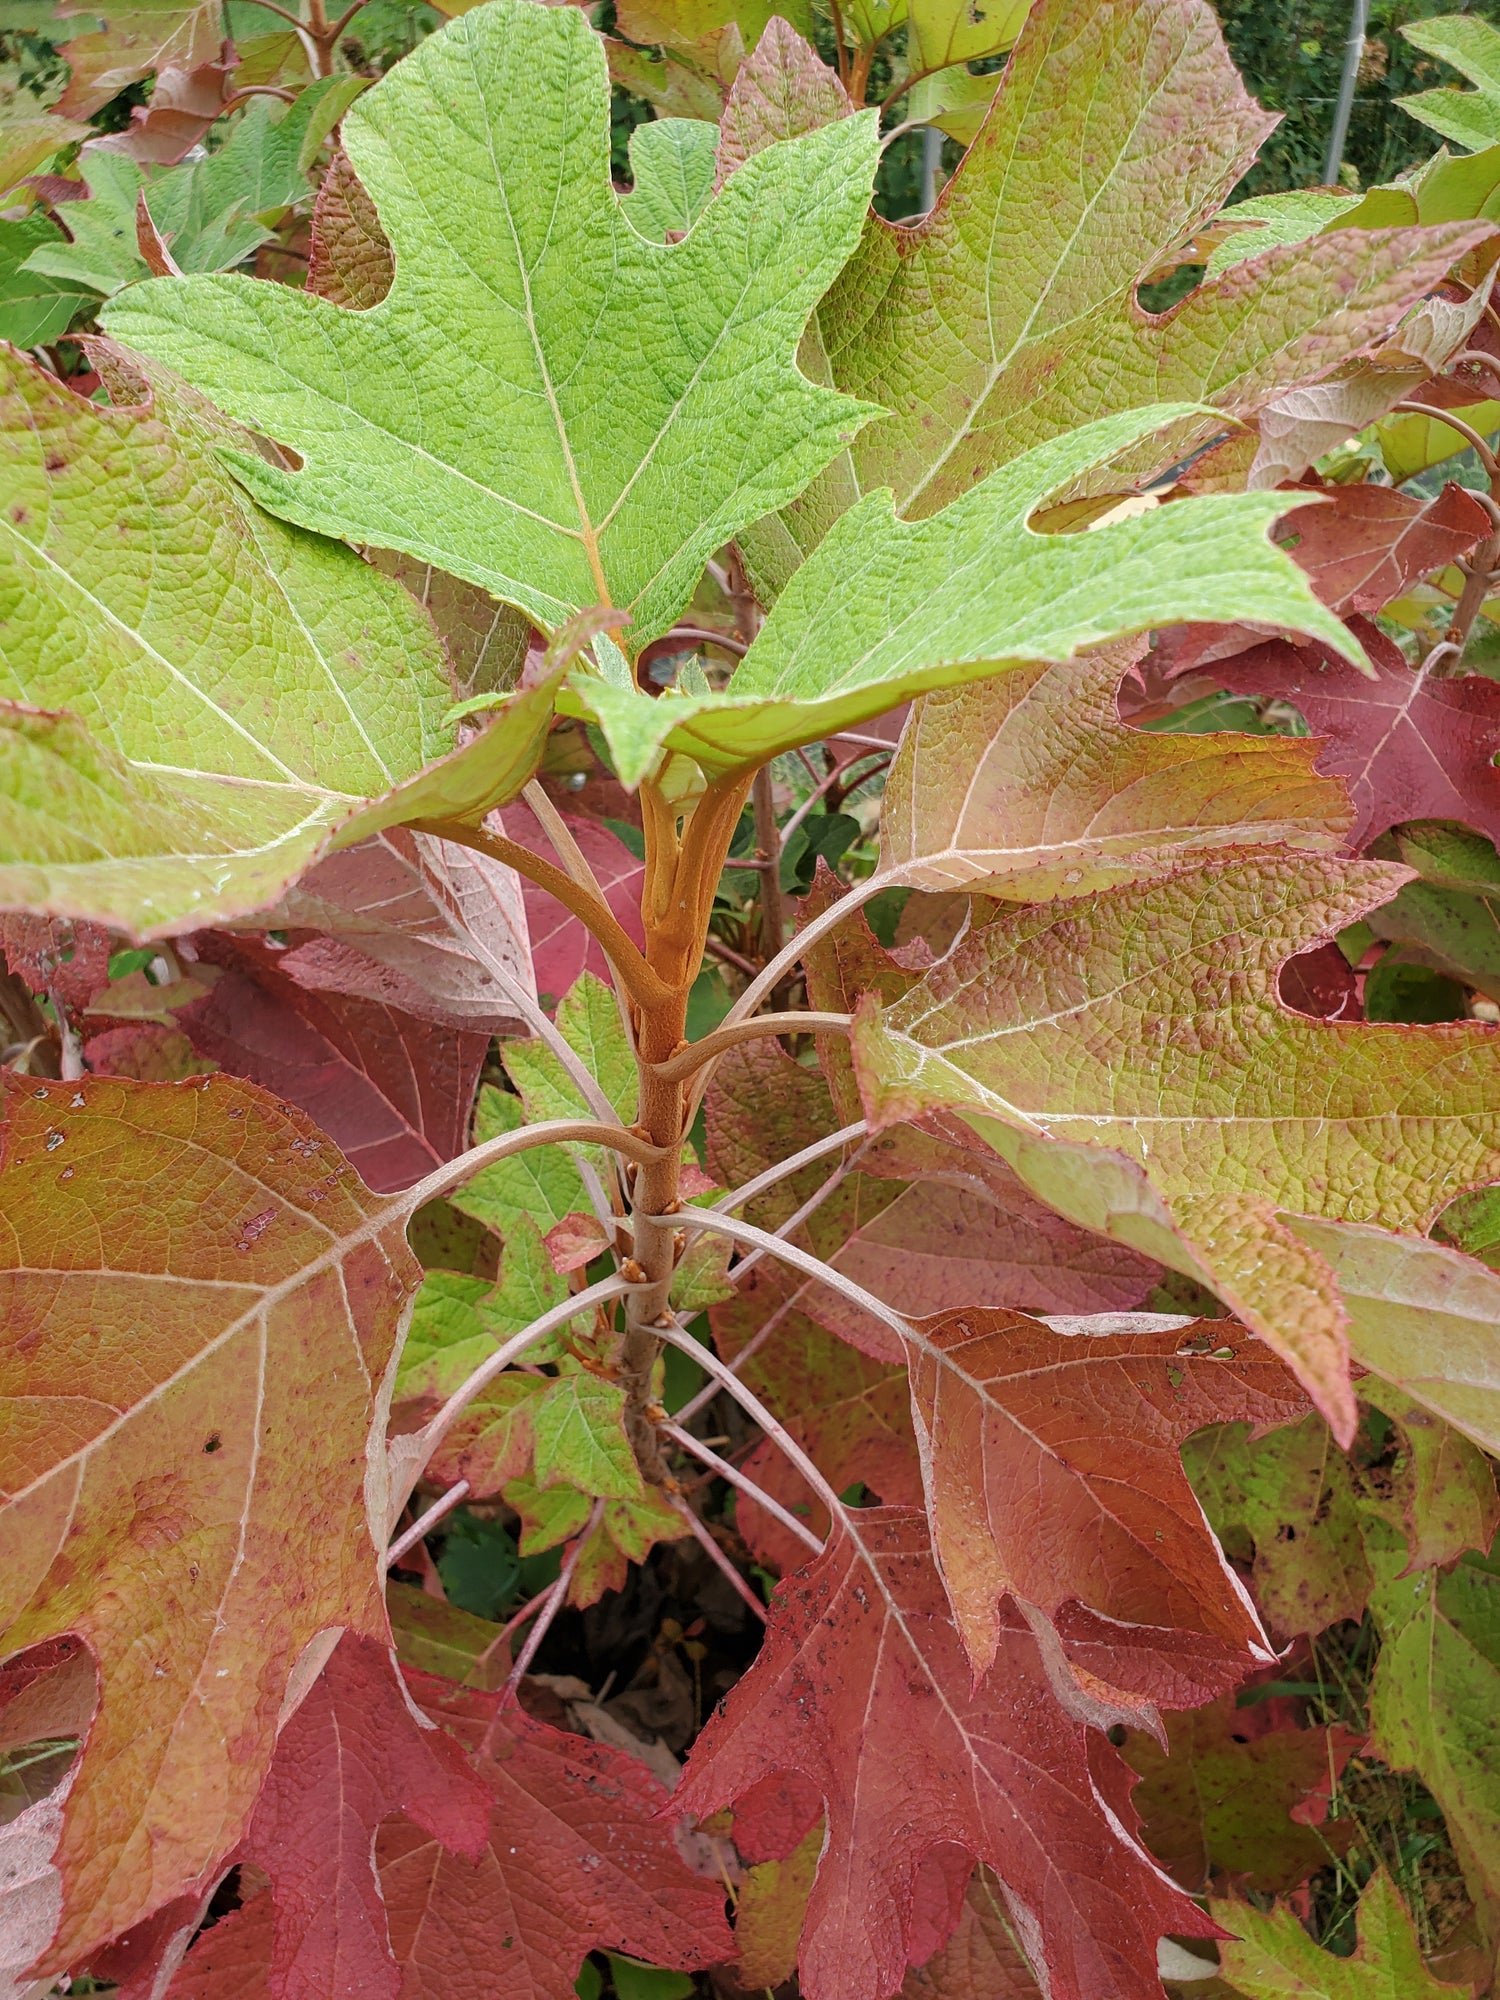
201	1306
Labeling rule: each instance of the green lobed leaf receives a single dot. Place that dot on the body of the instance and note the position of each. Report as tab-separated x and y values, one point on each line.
1472	47
196	700
564	464
625	1534
1271	1957
672	165
459	1321
886	609
35	306
1010	314
539	1186
580	1438
589	1020
1435	1700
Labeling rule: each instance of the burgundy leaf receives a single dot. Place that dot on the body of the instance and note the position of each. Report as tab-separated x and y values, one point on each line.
393	1092
862	1688
560	946
1408	744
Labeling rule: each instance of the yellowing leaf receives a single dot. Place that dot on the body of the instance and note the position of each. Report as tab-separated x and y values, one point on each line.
195	699
944	32
486	154
1143	1026
201	1306
1010	314
1030	787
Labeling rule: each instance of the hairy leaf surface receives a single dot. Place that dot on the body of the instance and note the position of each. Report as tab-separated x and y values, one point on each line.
887	608
420	924
1010	314
198	699
1031	787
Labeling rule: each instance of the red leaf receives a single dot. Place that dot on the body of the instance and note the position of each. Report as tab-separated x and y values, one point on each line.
578	1859
417	923
773	1817
352	1755
55	955
1019	1422
560	946
981	1960
350	262
1408	745
1363	545
575	1242
570	1855
965	1233
1360	546
1322	983
184	103
393	1092
863	1689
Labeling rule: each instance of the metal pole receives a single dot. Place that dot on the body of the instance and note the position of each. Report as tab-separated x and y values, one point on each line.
1354	50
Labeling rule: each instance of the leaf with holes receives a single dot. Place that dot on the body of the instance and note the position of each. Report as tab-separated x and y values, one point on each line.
1144	1022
